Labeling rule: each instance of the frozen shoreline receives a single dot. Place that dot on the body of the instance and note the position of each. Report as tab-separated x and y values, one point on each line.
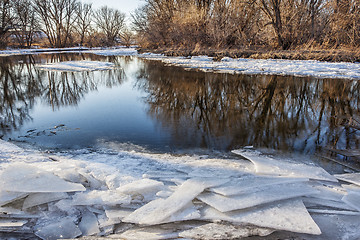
303	68
135	195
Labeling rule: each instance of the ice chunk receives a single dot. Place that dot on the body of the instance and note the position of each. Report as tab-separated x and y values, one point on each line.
12	223
89	224
352	199
290	215
315	202
329	192
64	228
146	233
159	210
26	178
271	194
270	166
118	214
76	66
252	183
94	197
146	187
7	197
349	177
41	198
337	212
215	231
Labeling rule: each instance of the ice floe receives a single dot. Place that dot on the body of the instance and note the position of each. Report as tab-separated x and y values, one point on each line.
133	195
76	66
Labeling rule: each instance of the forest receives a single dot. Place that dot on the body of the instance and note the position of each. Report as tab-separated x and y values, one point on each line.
189	24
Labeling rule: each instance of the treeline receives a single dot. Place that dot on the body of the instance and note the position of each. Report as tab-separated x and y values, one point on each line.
61	23
284	24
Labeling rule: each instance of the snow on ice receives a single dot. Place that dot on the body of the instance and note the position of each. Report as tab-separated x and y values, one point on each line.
133	195
76	66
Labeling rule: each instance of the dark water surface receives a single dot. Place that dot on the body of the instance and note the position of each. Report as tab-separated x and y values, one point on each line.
160	108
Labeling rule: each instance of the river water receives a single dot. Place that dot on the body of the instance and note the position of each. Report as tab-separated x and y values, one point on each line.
142	104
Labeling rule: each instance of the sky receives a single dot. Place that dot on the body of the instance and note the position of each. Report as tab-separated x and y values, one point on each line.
125	6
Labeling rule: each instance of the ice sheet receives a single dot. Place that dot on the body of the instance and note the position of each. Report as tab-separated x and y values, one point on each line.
76	66
41	198
118	214
89	224
316	202
252	183
7	197
159	210
352	199
26	178
349	177
290	215
96	197
213	231
12	223
63	229
270	166
271	194
146	233
146	187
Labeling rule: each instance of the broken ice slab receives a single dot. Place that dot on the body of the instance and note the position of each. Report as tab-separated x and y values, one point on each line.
97	197
352	199
316	202
289	215
146	233
252	183
349	177
8	197
214	231
36	199
336	212
329	192
271	194
145	187
63	229
283	167
6	223
118	214
27	178
160	210
89	224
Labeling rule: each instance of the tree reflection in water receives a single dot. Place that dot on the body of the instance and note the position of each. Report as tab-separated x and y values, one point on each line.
225	111
21	84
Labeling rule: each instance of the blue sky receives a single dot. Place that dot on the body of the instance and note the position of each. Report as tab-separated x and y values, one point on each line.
125	6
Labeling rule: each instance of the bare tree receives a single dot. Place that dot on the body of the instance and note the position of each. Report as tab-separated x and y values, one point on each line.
25	22
110	22
83	21
6	18
57	19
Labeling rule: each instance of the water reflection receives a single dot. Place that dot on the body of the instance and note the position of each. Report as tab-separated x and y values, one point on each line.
22	84
224	111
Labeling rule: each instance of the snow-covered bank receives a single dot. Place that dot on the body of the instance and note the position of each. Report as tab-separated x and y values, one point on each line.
304	68
134	195
76	66
264	66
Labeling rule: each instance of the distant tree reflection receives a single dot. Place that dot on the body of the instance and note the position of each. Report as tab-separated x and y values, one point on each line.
225	111
22	84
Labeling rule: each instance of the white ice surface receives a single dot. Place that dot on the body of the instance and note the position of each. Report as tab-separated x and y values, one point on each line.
269	166
96	197
252	183
76	66
353	199
27	178
271	194
36	199
289	215
349	177
7	197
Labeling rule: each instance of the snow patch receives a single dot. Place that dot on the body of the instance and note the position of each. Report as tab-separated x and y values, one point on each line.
76	66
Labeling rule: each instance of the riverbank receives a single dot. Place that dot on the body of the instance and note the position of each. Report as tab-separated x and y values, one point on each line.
332	55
